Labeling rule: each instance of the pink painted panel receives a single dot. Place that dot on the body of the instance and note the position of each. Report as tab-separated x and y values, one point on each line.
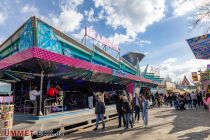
69	61
36	52
17	58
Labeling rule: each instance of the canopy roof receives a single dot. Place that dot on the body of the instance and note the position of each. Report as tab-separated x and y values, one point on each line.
29	63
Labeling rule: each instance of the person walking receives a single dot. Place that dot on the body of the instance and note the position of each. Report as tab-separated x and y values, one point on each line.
194	99
145	110
199	97
100	111
157	97
137	106
127	112
189	101
130	99
120	110
33	94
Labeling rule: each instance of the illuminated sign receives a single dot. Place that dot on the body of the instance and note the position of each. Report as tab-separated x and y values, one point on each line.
92	34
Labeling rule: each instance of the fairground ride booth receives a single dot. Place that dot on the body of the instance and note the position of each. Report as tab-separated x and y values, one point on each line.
148	88
38	54
200	47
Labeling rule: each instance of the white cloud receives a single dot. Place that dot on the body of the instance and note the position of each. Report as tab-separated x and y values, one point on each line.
90	15
176	68
135	16
142	43
121	38
69	19
2	18
27	9
183	7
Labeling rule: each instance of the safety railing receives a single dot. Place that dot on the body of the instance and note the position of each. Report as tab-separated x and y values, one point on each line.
26	102
46	106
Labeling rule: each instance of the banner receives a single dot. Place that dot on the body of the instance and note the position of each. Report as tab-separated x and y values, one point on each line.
200	46
208	67
92	34
194	76
205	76
119	73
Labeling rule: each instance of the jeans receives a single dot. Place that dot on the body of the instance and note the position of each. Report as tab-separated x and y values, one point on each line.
98	118
34	109
132	118
137	112
194	101
189	102
120	116
145	117
128	120
90	102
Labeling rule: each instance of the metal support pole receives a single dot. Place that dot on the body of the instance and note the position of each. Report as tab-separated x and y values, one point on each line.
41	87
85	40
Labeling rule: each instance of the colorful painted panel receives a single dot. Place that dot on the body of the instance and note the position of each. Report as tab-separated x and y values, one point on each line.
46	38
200	46
26	38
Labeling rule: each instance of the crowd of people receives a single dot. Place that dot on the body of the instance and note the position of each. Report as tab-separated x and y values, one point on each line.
187	100
129	109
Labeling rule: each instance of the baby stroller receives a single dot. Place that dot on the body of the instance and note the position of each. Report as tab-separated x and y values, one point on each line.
176	105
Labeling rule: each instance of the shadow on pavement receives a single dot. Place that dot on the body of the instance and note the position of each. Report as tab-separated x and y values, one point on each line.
111	130
195	135
189	119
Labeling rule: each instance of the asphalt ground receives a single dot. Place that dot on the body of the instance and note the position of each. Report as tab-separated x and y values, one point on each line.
164	124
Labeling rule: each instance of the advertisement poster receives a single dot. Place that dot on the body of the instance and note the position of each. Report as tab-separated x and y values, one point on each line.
200	46
194	76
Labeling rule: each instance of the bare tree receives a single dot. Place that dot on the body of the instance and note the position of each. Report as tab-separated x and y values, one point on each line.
201	14
201	17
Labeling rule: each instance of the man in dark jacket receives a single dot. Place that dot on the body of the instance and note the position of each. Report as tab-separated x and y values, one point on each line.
119	110
100	111
137	106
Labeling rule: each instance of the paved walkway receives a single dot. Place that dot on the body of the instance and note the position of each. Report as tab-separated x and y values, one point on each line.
164	124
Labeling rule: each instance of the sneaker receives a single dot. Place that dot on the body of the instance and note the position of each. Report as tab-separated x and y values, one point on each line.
95	129
118	126
145	126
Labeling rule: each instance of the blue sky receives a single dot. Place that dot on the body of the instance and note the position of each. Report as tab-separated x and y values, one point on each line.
157	28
